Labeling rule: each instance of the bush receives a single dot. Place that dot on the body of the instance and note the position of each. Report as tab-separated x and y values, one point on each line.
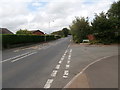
8	40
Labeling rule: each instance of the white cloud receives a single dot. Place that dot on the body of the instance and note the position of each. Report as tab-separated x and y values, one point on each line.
36	14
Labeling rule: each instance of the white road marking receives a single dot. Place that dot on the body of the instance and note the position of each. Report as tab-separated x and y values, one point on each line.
16	51
68	62
60	62
70	50
68	45
66	73
66	51
64	54
85	69
23	57
15	57
48	83
67	66
69	56
57	67
62	59
54	73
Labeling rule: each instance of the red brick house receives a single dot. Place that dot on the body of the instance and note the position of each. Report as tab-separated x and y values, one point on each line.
37	32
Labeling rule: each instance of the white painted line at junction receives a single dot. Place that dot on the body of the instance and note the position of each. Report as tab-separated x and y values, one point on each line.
68	45
48	83
23	57
66	73
54	73
66	51
57	67
60	62
16	51
62	59
14	57
68	62
70	50
85	69
67	66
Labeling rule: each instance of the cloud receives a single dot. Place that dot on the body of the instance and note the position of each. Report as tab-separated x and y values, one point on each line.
40	14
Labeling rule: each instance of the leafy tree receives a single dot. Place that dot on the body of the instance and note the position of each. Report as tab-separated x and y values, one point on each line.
102	27
101	23
80	29
59	33
23	32
114	16
65	32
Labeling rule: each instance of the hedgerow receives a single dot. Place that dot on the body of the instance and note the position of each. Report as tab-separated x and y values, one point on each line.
9	40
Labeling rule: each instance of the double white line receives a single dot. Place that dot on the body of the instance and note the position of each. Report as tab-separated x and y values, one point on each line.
16	58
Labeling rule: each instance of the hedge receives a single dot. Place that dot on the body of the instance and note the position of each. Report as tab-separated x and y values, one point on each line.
107	38
9	40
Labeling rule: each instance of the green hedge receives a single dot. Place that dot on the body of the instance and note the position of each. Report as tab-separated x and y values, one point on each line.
107	38
9	40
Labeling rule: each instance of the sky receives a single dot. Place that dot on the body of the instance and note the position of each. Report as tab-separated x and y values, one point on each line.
47	15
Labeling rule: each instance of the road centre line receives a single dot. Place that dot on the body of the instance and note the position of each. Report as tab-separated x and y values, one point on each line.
48	83
70	50
60	62
83	70
67	66
66	73
54	73
68	62
15	57
57	67
23	57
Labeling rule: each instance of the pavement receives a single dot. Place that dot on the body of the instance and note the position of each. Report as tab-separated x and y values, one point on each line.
100	73
50	65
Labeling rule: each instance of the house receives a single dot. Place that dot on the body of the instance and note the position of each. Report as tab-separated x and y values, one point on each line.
37	32
5	31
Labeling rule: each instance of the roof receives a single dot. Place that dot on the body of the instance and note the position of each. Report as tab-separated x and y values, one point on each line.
5	31
37	31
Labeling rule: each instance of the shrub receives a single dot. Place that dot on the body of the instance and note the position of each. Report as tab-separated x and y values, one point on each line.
8	40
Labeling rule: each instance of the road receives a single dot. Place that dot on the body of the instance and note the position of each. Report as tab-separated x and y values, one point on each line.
32	67
48	65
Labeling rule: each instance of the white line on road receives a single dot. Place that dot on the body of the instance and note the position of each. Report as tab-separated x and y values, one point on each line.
68	45
15	57
60	62
66	73
66	51
54	73
70	50
68	62
23	57
67	66
57	67
62	59
48	83
16	51
83	70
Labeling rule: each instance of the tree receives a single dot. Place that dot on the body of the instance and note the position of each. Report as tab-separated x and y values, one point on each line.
101	23
59	33
114	15
65	32
80	29
26	32
102	27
